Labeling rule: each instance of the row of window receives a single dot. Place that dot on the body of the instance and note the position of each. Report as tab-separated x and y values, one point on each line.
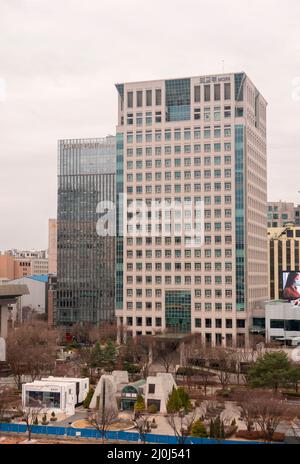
149	292
209	114
207	323
205	92
140	95
178	150
178	134
168	175
177	162
158	267
178	253
178	188
218	280
198	306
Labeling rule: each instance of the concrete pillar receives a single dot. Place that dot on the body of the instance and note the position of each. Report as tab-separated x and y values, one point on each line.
3	320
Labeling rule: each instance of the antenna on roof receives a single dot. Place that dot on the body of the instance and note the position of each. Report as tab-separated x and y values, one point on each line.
223	66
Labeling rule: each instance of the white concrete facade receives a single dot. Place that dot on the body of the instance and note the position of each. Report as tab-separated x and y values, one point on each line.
58	394
282	320
158	389
82	388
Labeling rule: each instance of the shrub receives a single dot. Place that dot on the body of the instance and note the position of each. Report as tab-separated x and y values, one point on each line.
140	404
44	420
53	416
152	409
199	429
258	435
36	421
153	424
233	423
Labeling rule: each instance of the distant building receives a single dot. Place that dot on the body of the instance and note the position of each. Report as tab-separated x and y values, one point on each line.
280	213
282	322
8	297
7	271
52	246
85	260
284	255
35	302
15	264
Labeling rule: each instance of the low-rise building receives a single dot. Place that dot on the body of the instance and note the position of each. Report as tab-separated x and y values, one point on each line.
118	390
58	394
282	321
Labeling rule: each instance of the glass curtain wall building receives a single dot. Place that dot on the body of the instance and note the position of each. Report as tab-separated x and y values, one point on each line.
85	259
194	140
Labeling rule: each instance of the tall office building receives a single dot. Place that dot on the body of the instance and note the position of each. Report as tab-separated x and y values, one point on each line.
52	246
85	258
199	140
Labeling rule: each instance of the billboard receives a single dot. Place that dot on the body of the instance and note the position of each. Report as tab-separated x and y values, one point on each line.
291	285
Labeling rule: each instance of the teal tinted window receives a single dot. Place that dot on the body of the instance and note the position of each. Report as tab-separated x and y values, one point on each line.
178	311
178	100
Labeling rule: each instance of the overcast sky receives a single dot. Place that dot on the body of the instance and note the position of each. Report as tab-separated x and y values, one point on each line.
59	60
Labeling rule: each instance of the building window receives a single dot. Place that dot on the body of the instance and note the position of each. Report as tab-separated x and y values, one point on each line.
197	94
158	97
139	98
217	92
227	91
129	99
151	388
198	323
149	97
207	93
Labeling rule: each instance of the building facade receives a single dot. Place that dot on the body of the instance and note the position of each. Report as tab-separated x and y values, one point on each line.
280	213
284	255
85	259
282	322
199	140
52	246
15	264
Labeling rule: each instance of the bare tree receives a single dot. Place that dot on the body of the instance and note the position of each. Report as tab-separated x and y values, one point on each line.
224	365
165	352
270	411
101	420
181	424
31	350
30	415
246	401
8	400
142	423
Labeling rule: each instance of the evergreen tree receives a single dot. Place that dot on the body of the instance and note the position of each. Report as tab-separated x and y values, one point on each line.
97	358
110	356
174	402
140	404
199	429
273	370
184	399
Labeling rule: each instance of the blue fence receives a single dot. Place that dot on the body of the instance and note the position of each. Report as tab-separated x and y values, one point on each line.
112	435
